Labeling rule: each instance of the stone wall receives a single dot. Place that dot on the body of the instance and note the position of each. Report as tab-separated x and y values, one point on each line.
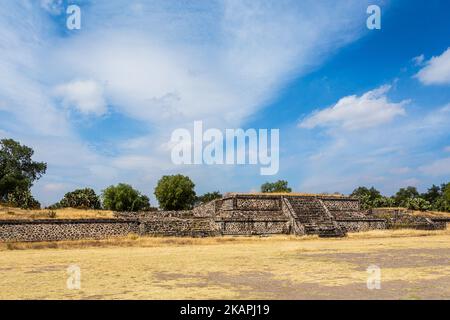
344	204
52	230
233	215
271	204
206	209
251	227
194	227
358	225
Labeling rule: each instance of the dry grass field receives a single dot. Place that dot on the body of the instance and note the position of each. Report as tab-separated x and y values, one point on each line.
10	213
414	265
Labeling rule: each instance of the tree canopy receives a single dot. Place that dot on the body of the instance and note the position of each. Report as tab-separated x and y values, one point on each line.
209	196
124	198
81	199
278	186
175	192
18	171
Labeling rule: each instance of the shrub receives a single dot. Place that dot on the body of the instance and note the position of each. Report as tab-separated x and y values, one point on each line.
175	192
209	196
418	204
124	198
441	204
279	186
383	202
80	199
403	196
23	199
369	198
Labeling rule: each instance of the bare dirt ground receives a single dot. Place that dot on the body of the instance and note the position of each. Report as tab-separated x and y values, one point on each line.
413	264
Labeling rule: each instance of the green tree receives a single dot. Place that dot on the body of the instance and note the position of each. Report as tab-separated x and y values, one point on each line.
278	186
383	202
441	205
22	198
175	192
432	194
369	198
417	204
209	196
445	190
18	172
404	194
124	198
80	199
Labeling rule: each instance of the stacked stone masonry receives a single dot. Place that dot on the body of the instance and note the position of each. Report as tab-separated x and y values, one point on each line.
235	214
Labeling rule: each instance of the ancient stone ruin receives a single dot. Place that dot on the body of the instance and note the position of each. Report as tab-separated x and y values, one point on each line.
234	214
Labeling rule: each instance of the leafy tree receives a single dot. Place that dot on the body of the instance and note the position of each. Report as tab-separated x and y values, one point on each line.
368	198
278	186
371	193
441	199
404	194
209	196
417	204
432	194
18	172
441	205
124	198
445	190
22	198
80	199
383	202
175	192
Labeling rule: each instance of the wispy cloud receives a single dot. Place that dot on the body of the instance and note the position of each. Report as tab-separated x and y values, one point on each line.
371	109
436	70
85	96
379	155
165	63
440	167
168	61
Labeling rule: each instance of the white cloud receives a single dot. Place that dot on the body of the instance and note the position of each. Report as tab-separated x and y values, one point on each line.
164	63
400	170
352	112
219	64
23	95
440	167
436	71
86	96
54	187
418	61
54	7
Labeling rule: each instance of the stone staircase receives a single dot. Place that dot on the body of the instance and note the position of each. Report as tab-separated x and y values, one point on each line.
313	216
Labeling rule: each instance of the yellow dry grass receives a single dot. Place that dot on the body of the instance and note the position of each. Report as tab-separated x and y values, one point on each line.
11	213
413	265
429	214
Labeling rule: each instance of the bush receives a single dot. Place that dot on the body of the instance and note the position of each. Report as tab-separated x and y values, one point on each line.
124	198
441	204
80	199
175	192
383	202
369	198
23	199
209	196
404	195
279	186
418	204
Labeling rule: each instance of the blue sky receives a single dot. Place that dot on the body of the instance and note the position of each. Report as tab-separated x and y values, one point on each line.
354	106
